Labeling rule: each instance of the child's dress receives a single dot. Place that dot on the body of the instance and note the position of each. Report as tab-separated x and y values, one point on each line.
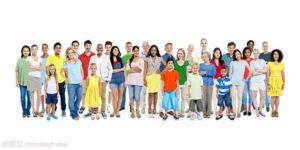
92	97
275	79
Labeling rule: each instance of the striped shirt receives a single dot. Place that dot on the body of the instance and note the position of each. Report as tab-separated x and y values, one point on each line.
223	84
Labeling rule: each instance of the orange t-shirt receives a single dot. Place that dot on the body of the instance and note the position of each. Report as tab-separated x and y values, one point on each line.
170	79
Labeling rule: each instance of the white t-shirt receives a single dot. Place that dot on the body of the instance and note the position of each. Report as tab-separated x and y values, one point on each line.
258	64
51	86
33	63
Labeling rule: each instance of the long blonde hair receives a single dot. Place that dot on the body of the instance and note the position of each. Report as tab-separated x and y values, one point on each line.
49	73
67	51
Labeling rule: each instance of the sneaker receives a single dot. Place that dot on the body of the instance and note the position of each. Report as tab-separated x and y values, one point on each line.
231	117
262	113
97	116
268	109
161	114
193	117
23	116
219	116
199	117
165	117
63	114
77	118
93	116
108	108
104	115
87	114
54	117
42	111
239	116
81	110
176	117
28	116
48	118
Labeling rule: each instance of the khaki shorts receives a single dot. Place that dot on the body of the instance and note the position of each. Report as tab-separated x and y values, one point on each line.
258	86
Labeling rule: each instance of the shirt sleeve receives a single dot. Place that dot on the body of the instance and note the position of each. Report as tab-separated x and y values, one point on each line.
212	71
49	61
17	66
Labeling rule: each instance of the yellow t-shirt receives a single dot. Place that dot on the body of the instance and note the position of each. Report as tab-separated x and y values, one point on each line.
58	62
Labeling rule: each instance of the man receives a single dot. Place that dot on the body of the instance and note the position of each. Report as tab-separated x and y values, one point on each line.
266	55
85	61
228	57
145	46
125	58
251	44
58	62
104	71
75	45
108	46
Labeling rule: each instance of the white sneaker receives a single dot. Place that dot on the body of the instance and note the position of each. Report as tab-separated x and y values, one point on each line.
262	113
193	116
108	108
199	117
97	116
93	116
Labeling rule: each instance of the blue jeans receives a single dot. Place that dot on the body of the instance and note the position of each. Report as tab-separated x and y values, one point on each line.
26	105
267	102
75	95
135	92
247	94
123	98
224	99
170	101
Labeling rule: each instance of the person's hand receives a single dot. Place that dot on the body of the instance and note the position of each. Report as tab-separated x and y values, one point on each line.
202	72
283	86
145	82
137	69
17	84
269	86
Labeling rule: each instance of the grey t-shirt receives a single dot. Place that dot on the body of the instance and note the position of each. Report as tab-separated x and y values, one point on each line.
266	57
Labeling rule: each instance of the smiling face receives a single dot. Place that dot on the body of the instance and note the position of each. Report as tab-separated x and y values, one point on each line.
265	47
70	54
276	56
115	51
255	54
108	49
93	68
247	54
52	70
180	54
169	49
145	47
250	45
135	52
217	54
75	46
205	57
128	47
203	44
190	48
57	49
25	52
100	49
34	50
238	55
170	65
153	51
45	49
231	49
195	69
87	47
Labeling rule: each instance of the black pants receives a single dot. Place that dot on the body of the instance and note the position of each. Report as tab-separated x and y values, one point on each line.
62	90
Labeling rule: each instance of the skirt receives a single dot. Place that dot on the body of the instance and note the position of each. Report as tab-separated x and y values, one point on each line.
153	82
275	86
34	84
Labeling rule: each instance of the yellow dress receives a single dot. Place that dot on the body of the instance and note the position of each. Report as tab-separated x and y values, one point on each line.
92	96
275	79
153	82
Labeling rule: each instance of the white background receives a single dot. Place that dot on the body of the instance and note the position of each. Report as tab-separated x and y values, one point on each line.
180	22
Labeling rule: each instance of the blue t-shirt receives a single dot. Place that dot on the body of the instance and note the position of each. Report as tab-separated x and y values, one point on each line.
74	72
117	77
208	78
43	72
223	85
238	70
165	57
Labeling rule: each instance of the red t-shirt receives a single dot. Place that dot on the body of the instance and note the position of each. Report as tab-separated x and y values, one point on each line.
246	70
218	68
85	61
170	79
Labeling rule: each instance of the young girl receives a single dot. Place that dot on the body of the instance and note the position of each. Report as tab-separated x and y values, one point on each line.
22	71
34	81
257	82
92	97
247	93
135	80
207	71
152	80
195	92
181	66
219	63
170	92
276	79
236	75
73	73
117	80
51	90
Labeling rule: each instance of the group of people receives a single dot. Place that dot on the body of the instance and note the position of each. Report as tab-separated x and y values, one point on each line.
195	85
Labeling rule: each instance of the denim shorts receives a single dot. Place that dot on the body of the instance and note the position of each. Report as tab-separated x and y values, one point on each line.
51	98
116	85
224	99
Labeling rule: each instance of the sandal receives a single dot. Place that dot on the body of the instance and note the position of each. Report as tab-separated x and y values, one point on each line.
34	114
118	115
231	117
40	114
112	115
138	115
132	114
81	109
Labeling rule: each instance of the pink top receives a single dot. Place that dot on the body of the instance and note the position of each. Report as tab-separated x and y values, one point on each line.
136	78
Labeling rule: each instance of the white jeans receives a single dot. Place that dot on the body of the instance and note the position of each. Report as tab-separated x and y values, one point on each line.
237	96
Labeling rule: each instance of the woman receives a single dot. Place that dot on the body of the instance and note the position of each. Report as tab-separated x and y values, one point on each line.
247	94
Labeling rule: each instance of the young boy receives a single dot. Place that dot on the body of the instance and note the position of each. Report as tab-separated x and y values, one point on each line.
224	94
195	85
170	78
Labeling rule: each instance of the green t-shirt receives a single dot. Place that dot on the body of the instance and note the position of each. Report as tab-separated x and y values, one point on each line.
22	68
182	70
125	60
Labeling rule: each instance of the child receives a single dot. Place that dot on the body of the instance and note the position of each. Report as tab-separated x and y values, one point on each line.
34	80
181	66
22	71
276	79
224	94
207	71
257	83
51	88
195	85
92	97
170	86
